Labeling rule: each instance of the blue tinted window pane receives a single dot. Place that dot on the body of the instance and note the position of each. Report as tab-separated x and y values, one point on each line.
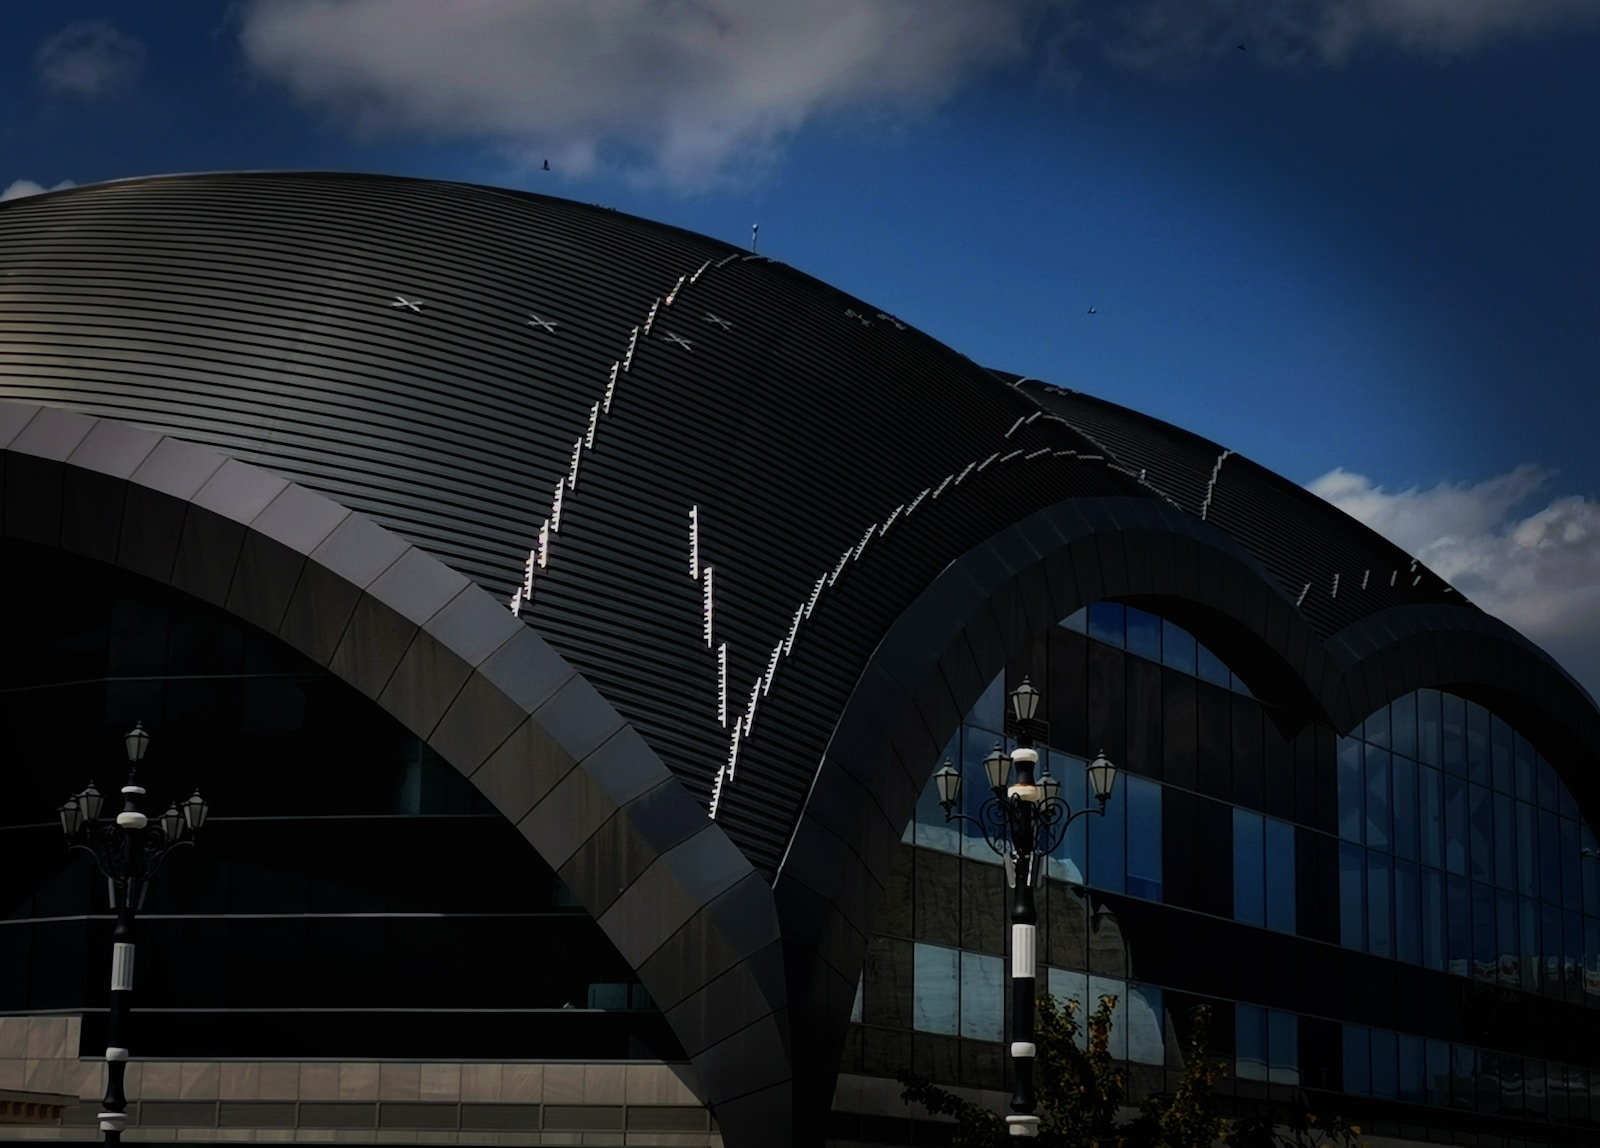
1454	724
1572	957
1249	880
1106	622
1250	1042
1459	925
1385	1064
1375	730
1429	734
1144	634
1589	855
976	745
1508	967
1403	726
1549	857
1412	1068
1107	858
982	997
1550	944
1352	907
936	989
1210	667
1430	806
1528	928
1280	876
1068	859
1432	922
1177	648
1480	832
1403	777
1571	865
1455	824
1505	841
1526	771
1533	1087
990	711
1591	960
1352	789
1478	768
1502	762
1283	1047
1144	837
1549	787
1463	1077
1438	1073
1527	850
1146	1025
1357	1073
1380	926
1407	913
1377	798
1077	620
1485	937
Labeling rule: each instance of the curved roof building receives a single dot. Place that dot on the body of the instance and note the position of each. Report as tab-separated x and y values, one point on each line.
684	569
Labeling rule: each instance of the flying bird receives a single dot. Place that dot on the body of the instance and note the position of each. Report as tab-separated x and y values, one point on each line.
1241	47
547	165
1091	309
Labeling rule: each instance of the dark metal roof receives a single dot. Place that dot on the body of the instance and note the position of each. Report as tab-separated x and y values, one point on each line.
433	355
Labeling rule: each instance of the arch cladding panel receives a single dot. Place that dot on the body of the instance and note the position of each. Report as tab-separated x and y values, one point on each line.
502	377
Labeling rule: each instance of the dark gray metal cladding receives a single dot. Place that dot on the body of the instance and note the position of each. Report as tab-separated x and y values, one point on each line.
1296	535
430	354
385	341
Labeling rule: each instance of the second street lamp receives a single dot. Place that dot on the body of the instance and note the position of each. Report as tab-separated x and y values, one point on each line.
127	850
1023	822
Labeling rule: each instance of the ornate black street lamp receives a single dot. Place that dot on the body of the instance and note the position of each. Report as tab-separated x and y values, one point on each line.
127	850
1023	822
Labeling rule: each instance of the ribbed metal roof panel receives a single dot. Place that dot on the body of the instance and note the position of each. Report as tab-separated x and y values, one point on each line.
271	316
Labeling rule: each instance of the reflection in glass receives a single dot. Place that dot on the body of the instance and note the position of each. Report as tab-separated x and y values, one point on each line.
1106	622
1177	648
1144	634
1429	732
1352	907
936	989
1380	927
1250	1042
1352	789
1283	1047
982	996
1377	813
1407	913
1404	779
1143	799
1210	668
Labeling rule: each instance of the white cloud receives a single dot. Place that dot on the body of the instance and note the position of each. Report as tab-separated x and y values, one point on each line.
1537	571
89	59
698	88
18	188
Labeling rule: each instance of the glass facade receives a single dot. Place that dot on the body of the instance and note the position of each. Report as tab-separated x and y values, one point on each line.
350	896
1355	909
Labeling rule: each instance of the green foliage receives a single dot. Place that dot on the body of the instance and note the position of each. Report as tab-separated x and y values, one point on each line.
1080	1091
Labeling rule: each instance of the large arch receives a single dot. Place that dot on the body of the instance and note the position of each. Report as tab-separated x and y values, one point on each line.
674	895
980	614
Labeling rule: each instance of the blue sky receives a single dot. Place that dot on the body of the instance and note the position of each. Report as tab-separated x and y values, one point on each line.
1363	250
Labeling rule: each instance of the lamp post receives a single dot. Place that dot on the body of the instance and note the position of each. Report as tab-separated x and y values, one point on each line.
127	850
1023	822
